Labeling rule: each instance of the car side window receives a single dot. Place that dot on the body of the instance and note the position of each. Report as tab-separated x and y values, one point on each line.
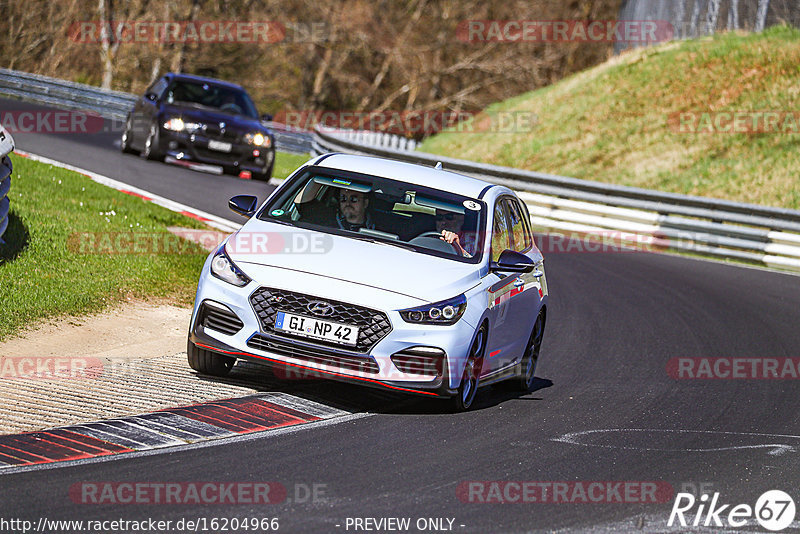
526	217
500	233
521	238
157	88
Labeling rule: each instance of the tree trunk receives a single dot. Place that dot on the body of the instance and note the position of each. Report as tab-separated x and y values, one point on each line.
107	41
179	59
761	15
680	24
390	55
695	19
711	16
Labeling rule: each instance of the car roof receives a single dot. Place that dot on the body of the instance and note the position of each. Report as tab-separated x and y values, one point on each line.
406	172
203	79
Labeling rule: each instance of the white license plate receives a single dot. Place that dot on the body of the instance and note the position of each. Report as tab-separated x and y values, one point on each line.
317	328
219	145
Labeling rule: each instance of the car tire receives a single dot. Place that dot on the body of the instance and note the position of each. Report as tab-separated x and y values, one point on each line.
127	137
468	388
208	362
524	380
151	144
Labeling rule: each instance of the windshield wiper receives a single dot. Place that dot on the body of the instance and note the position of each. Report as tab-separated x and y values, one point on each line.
399	244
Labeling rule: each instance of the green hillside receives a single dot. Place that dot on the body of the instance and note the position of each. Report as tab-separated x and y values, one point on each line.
626	121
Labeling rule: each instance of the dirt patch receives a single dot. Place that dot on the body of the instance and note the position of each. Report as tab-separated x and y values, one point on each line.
132	330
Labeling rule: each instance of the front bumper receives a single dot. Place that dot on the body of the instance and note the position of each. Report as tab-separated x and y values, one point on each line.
183	146
435	388
454	341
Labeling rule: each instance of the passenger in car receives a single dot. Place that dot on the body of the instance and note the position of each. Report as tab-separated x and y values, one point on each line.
353	214
451	224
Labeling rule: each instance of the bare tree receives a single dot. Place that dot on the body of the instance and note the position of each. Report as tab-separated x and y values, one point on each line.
695	19
109	44
379	55
680	13
733	15
712	15
761	15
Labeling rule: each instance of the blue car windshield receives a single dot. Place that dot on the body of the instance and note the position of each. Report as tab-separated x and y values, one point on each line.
227	99
418	218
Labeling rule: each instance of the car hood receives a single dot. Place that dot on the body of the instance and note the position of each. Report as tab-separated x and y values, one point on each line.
209	116
380	266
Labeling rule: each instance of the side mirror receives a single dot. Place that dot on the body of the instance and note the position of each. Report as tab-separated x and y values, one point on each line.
266	117
513	262
244	205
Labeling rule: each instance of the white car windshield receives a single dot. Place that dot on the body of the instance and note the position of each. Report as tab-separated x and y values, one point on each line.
418	218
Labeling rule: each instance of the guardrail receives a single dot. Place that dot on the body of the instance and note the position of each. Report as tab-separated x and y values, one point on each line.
113	105
6	147
378	139
710	227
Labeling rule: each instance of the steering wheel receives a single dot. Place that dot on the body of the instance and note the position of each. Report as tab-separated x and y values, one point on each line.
430	234
436	235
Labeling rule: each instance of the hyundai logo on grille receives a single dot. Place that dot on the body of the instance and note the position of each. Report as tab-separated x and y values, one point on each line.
318	307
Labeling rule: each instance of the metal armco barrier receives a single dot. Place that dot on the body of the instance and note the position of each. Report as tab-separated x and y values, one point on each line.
113	105
6	147
710	227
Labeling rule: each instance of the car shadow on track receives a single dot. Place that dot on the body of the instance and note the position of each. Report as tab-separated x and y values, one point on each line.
354	398
486	398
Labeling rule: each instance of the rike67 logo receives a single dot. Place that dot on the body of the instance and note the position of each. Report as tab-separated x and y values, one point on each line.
774	510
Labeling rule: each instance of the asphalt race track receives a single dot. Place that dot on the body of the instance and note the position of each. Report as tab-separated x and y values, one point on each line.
99	152
607	406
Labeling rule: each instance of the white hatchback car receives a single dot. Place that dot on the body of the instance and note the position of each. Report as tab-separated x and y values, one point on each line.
378	272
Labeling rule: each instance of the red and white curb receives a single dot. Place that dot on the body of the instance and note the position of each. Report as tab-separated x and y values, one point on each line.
209	219
164	428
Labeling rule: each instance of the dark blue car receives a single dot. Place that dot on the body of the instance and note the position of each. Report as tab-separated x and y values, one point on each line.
196	120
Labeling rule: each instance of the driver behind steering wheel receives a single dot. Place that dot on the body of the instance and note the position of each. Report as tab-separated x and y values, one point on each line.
353	214
451	225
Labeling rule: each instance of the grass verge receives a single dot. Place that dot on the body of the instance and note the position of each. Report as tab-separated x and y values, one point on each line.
286	163
44	274
619	122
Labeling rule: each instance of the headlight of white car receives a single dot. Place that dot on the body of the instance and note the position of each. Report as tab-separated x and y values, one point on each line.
445	312
223	268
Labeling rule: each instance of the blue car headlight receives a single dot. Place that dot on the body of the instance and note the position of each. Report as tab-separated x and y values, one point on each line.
445	312
258	139
176	124
223	268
